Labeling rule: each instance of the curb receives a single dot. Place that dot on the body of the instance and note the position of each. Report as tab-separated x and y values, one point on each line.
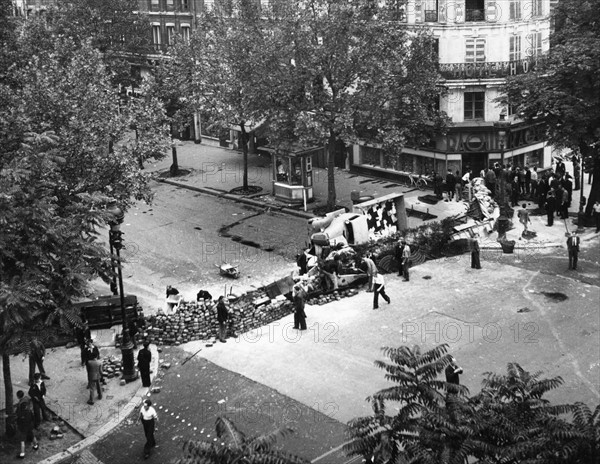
238	199
133	404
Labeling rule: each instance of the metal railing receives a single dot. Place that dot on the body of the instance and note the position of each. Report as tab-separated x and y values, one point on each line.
487	70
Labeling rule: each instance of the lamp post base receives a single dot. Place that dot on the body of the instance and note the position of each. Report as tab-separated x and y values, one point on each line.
130	373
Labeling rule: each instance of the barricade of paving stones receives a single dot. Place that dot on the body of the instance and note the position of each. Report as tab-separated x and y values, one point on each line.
335	296
198	321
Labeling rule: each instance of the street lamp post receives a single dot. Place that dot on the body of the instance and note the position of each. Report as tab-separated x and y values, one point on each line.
116	242
502	127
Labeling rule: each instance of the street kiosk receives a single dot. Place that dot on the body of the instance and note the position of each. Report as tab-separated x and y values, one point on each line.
292	174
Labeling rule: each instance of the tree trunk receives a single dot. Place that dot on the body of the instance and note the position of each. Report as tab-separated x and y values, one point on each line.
174	169
244	140
331	196
10	425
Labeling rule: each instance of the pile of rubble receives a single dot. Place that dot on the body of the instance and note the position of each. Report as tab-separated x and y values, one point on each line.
111	367
198	321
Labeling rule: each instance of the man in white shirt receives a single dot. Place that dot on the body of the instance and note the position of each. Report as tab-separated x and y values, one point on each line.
379	287
149	418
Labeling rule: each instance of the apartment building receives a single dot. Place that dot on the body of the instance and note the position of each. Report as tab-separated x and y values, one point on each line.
479	44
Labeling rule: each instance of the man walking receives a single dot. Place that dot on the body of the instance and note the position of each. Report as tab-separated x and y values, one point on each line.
148	418
222	316
144	358
371	271
379	283
573	248
524	219
94	373
450	185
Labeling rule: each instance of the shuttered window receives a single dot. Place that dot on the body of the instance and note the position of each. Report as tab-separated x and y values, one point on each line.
515	48
475	51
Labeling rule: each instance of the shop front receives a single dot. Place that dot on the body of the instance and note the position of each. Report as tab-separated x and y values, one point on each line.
463	148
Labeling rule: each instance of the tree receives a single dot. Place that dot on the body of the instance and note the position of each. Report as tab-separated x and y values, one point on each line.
352	71
58	115
425	428
236	447
233	52
564	92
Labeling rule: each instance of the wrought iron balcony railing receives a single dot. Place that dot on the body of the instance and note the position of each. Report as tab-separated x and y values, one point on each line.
487	70
431	16
475	15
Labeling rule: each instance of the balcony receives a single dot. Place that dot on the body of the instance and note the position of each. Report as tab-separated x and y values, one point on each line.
486	70
431	16
474	14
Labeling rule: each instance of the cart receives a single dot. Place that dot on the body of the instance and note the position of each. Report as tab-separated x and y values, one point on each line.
229	270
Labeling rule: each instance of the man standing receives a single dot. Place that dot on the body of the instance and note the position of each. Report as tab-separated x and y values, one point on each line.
550	207
573	247
398	252
596	209
91	351
523	215
299	298
222	316
490	182
37	393
149	418
475	262
405	261
534	182
25	422
144	358
94	373
379	284
450	184
36	358
452	371
332	268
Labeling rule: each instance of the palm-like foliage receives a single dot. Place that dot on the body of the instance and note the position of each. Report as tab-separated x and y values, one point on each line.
424	427
515	419
236	448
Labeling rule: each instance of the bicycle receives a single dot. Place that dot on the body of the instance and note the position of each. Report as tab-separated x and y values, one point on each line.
419	181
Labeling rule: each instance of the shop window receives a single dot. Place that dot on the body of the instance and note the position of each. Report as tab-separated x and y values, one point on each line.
370	156
282	169
296	173
515	48
474	105
475	51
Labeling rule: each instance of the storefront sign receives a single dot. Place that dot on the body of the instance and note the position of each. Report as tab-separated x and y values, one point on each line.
499	69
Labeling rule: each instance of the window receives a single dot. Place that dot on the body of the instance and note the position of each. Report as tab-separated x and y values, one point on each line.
475	10
515	48
474	105
515	9
534	44
185	5
156	35
537	7
431	11
170	34
475	51
185	33
170	5
154	5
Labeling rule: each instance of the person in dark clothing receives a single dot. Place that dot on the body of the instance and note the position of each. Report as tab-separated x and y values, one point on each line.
332	268
82	334
222	316
36	358
91	351
452	371
527	180
133	331
542	191
567	184
576	172
203	295
561	169
148	417
25	422
490	181
299	298
94	373
474	245
171	291
144	358
573	247
450	185
398	252
550	207
37	393
515	187
437	184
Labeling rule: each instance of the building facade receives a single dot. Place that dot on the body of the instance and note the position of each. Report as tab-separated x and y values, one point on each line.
479	44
